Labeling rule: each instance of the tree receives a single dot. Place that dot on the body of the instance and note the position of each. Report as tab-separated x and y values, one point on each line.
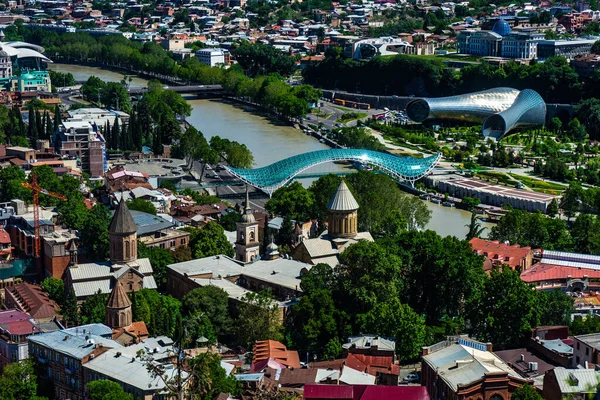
595	47
107	390
211	302
313	321
556	307
555	125
410	337
159	259
210	240
526	392
285	235
161	313
475	228
292	201
228	221
262	59
258	318
11	179
94	236
552	209
209	379
470	203
54	287
571	199
69	308
507	309
93	309
18	381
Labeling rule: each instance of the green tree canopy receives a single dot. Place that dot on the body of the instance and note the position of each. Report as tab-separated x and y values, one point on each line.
526	392
210	240
211	302
141	205
258	318
18	381
107	390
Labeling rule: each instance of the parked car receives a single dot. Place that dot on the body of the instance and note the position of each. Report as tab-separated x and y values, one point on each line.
412	378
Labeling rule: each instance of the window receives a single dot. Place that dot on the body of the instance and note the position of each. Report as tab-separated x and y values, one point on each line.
577	345
127	249
587	351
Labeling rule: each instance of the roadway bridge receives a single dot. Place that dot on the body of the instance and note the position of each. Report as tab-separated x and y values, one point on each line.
191	89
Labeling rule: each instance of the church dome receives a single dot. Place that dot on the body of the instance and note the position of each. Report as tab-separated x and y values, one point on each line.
501	27
3	53
248	217
272	247
342	199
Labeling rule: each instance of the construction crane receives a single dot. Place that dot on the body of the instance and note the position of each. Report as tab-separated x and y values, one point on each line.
36	213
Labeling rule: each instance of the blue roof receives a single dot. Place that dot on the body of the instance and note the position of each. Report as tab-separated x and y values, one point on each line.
276	175
501	27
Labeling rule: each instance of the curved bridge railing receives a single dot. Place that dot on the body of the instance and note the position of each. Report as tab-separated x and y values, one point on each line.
272	177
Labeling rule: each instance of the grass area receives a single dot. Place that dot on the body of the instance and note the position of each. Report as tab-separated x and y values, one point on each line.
496	177
447	57
344	109
400	142
539	185
351	116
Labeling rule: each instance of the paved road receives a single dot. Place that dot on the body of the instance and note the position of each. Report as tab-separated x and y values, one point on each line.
258	199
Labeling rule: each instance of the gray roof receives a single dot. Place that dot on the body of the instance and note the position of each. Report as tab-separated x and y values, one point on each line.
122	222
67	343
352	376
94	329
577	380
369	341
461	365
342	200
217	265
557	345
148	223
592	339
130	370
282	272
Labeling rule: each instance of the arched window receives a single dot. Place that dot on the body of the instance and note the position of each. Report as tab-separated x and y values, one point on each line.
252	236
127	249
496	397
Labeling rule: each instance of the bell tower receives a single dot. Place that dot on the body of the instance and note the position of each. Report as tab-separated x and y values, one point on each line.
247	246
118	309
123	236
343	214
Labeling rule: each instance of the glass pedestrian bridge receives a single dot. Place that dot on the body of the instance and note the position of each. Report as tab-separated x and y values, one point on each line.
272	177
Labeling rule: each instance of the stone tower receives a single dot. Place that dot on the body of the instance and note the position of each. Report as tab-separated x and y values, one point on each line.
247	246
72	249
123	236
343	215
118	308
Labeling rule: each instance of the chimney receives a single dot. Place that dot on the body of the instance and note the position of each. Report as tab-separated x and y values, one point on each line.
522	357
424	351
488	347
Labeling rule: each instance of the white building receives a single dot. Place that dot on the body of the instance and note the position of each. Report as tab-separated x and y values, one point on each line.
213	57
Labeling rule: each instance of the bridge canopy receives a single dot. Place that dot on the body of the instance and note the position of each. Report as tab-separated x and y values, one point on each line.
272	177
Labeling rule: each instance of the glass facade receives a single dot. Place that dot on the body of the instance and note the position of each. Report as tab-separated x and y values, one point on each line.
500	109
276	175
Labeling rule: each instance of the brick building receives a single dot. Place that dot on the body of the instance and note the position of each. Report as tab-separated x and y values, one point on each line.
497	254
461	368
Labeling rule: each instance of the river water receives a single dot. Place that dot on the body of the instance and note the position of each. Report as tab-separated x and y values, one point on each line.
268	141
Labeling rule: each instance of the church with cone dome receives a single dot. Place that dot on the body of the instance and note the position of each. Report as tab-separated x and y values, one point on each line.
342	231
123	268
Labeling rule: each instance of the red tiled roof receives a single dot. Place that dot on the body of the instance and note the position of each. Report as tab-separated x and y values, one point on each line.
500	252
395	392
20	327
547	272
35	302
4	237
271	349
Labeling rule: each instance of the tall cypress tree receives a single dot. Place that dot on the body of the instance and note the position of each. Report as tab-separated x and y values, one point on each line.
57	118
38	124
32	132
108	136
116	133
49	127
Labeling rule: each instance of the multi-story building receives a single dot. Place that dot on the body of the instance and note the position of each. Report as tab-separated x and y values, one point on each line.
586	349
519	45
564	48
76	138
461	368
63	353
5	64
56	251
561	383
72	358
213	57
32	81
31	299
15	327
497	254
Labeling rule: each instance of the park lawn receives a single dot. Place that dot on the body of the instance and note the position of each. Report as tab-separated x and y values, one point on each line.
539	185
347	118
